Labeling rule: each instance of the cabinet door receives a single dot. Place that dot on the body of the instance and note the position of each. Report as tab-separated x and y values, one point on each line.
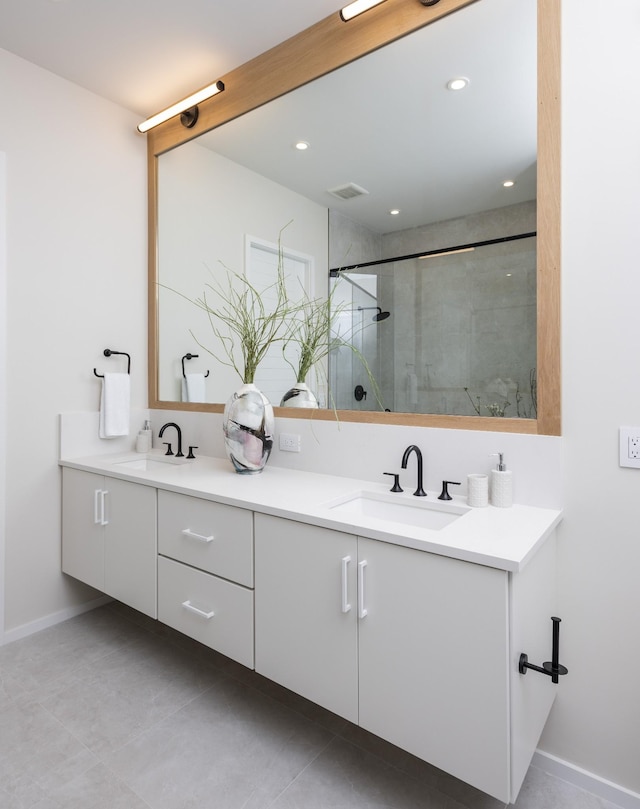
130	545
306	626
433	661
82	529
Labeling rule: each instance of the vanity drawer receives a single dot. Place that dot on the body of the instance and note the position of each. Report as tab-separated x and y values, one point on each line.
213	611
210	536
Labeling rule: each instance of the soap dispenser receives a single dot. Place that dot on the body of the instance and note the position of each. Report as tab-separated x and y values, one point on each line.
143	439
501	484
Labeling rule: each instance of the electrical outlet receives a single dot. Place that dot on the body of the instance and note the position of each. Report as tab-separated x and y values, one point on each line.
290	442
630	447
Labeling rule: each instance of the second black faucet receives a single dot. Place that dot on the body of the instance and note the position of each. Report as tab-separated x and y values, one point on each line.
419	492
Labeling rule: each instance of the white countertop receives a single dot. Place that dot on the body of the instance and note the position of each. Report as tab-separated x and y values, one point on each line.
504	538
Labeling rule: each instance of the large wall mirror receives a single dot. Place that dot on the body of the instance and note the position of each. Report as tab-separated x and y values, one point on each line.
466	275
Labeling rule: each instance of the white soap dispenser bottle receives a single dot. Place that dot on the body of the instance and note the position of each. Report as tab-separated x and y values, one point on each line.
143	439
501	484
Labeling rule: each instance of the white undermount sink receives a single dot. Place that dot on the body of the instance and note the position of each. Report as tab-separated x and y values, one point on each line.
417	511
148	464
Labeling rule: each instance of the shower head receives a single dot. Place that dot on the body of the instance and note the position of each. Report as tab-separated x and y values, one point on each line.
380	315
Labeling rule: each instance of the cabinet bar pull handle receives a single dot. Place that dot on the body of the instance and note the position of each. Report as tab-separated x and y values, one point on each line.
99	510
345	584
362	612
96	507
103	507
189	606
199	537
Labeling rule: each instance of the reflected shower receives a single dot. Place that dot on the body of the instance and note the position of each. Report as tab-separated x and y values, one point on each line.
380	315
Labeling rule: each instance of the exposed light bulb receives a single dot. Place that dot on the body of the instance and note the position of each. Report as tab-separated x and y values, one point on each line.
357	7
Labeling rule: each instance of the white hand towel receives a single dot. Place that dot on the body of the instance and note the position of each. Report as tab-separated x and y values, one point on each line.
114	405
193	388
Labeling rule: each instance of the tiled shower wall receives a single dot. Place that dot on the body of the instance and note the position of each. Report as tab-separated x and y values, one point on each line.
464	321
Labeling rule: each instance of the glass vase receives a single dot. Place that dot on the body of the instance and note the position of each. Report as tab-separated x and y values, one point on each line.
248	425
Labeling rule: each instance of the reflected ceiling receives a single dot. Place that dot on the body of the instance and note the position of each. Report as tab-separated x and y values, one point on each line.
371	97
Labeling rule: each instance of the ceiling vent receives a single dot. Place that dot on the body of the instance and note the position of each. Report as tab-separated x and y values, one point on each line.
348	191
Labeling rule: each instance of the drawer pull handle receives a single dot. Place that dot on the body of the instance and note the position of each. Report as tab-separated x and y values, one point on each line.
345	584
189	606
362	611
198	537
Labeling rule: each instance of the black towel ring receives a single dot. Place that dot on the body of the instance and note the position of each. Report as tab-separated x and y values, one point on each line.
191	357
108	352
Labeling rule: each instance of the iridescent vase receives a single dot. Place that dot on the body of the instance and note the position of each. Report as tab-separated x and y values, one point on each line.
248	425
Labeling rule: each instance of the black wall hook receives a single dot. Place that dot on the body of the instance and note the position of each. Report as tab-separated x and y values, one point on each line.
554	669
108	352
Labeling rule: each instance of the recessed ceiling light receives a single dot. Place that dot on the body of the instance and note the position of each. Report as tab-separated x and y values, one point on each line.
508	183
302	145
459	83
394	211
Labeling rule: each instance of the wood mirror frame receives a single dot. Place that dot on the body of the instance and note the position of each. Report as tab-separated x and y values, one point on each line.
324	47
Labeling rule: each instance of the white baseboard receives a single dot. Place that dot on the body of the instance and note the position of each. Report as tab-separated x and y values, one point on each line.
51	620
583	779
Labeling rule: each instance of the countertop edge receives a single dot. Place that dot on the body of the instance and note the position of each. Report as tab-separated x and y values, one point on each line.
437	542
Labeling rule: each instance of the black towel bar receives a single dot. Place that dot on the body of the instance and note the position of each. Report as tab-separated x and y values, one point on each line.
108	352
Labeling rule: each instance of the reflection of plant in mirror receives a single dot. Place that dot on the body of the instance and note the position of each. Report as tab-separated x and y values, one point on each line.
242	322
532	411
310	333
495	408
313	331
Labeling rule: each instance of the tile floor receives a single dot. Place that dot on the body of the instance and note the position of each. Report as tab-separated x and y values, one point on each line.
111	710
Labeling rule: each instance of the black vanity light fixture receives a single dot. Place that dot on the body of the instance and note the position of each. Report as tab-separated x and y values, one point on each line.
187	108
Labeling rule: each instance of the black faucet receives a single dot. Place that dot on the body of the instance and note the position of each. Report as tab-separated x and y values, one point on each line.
179	453
419	492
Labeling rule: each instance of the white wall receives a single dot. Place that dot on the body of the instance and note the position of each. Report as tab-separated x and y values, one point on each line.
596	719
76	267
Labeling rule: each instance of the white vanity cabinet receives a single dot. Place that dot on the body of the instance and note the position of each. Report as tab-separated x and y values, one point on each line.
306	628
205	572
416	637
109	537
419	649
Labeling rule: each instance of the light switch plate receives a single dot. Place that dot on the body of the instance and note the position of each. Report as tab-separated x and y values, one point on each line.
630	447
